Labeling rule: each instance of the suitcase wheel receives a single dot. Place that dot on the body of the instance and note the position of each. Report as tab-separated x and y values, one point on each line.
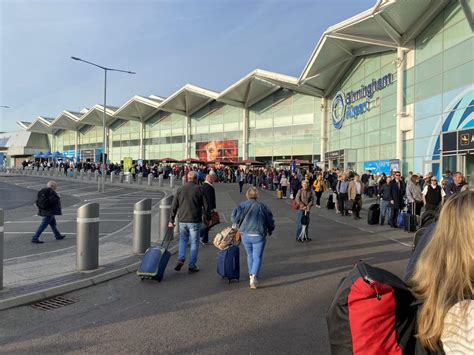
142	278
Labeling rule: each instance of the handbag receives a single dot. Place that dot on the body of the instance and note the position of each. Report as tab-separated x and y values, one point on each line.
305	219
230	235
215	219
295	205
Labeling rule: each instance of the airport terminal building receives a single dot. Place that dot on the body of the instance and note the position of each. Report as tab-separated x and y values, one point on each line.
392	87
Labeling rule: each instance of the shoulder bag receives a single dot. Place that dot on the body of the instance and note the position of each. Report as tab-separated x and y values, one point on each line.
230	235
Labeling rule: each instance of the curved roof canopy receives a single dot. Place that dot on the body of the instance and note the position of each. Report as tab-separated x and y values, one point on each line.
388	25
23	124
138	108
188	100
68	120
41	125
259	84
93	117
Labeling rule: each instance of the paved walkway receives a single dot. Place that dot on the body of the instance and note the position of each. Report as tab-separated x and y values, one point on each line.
28	278
200	313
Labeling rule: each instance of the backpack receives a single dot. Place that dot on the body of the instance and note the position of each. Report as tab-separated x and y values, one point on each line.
42	199
373	312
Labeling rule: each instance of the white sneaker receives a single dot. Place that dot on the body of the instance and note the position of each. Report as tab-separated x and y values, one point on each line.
253	282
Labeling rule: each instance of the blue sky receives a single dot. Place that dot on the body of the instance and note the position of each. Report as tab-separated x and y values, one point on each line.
209	43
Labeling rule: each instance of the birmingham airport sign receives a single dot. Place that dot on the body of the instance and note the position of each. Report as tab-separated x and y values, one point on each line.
345	106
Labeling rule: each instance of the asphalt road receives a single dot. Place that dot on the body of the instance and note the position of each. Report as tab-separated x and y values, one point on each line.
200	313
21	220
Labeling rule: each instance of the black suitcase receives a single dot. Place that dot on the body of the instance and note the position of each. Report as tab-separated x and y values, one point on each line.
374	214
330	203
410	223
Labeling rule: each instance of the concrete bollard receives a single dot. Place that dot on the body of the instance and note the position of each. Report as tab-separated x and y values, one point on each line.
165	212
2	218
140	179
171	181
130	179
96	175
160	180
112	174
183	180
150	179
121	177
87	239
75	173
81	173
142	226
89	174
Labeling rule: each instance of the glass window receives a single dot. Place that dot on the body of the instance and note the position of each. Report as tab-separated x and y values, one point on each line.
459	76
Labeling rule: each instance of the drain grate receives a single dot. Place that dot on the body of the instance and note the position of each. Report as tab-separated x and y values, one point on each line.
53	303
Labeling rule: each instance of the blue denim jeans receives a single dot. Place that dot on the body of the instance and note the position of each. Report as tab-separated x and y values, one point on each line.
299	214
47	220
254	246
385	211
189	232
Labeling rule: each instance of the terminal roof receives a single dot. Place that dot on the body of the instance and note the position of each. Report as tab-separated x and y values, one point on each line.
258	84
188	100
388	25
93	117
138	108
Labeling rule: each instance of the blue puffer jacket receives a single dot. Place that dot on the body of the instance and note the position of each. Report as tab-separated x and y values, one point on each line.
259	220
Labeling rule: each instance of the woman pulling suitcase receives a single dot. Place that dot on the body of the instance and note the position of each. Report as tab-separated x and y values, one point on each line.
256	221
304	199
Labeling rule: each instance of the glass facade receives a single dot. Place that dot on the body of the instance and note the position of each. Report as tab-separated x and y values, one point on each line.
371	134
285	125
441	87
165	136
220	126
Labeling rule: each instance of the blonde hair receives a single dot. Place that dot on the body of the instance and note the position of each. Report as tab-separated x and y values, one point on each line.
444	273
252	193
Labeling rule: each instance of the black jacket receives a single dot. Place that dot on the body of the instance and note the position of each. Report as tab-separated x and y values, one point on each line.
54	208
188	204
209	194
396	194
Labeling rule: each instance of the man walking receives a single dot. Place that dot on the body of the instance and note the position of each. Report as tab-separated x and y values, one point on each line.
209	194
188	204
49	205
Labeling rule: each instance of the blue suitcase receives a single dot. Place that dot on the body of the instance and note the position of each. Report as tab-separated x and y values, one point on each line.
155	260
228	263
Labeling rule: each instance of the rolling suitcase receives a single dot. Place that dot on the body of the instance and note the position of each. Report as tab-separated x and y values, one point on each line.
411	222
228	263
279	194
156	259
373	216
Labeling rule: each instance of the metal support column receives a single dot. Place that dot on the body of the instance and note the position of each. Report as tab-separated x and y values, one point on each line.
246	125
400	104
142	226
87	240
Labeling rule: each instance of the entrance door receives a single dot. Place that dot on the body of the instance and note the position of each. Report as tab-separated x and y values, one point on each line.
468	165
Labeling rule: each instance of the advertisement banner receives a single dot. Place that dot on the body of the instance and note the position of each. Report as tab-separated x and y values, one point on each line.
218	150
382	166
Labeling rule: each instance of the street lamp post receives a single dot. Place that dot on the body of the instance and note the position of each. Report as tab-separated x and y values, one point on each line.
104	153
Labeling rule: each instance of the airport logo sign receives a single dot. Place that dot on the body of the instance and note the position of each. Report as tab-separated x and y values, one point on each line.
345	106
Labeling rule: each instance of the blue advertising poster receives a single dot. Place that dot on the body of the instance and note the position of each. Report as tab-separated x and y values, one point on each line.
2	159
378	166
69	153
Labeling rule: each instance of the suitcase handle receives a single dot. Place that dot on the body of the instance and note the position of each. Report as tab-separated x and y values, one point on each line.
168	237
